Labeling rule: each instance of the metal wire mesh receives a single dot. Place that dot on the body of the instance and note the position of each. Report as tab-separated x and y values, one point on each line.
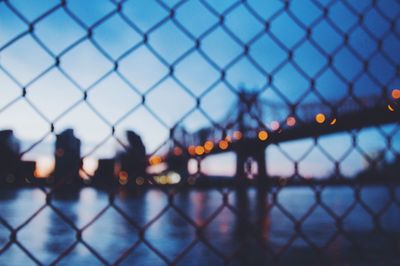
265	80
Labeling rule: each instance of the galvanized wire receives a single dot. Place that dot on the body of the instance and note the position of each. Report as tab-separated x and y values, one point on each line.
298	108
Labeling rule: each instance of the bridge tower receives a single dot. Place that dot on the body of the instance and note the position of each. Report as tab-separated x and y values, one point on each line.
249	151
247	119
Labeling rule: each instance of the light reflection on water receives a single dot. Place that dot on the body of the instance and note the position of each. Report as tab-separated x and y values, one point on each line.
233	231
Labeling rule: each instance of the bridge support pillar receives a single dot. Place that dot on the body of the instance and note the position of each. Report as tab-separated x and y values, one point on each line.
240	163
260	159
258	155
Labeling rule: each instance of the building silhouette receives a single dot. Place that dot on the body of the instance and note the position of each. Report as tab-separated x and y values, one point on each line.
26	170
67	157
9	156
105	173
132	162
12	169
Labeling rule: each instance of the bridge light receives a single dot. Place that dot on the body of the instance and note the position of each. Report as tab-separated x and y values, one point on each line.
191	150
123	178
177	151
199	150
139	181
391	109
163	179
275	125
173	178
396	94
228	138
320	118
333	122
263	135
123	175
155	160
291	121
237	135
208	145
123	182
223	144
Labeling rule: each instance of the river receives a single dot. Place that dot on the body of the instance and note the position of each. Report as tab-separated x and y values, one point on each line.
245	227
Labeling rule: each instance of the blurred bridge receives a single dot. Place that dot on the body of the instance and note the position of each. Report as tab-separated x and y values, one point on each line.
253	123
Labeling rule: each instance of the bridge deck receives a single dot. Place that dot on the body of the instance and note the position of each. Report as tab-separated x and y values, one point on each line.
378	115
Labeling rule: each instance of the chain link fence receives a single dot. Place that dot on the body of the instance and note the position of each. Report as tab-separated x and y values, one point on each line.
199	132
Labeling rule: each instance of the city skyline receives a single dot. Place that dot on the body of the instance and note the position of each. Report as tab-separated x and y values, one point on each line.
263	65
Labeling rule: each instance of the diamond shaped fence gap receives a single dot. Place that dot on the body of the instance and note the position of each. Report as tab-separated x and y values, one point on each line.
178	42
32	130
60	94
198	23
107	37
85	64
46	223
170	97
11	90
32	11
113	98
13	26
199	132
61	41
23	64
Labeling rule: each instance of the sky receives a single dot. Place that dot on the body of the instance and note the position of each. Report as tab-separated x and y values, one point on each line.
114	97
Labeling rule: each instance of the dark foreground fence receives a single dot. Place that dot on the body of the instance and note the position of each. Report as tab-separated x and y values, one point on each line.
267	82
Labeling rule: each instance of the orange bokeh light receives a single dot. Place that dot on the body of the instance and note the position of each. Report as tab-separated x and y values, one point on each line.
223	144
320	118
237	135
123	178
396	94
123	175
291	121
199	150
191	150
123	181
263	135
155	160
208	145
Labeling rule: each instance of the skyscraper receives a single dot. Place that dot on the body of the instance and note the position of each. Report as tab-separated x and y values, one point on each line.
133	161
9	156
68	157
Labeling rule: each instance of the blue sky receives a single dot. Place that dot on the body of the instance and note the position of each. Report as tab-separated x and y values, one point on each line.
141	72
